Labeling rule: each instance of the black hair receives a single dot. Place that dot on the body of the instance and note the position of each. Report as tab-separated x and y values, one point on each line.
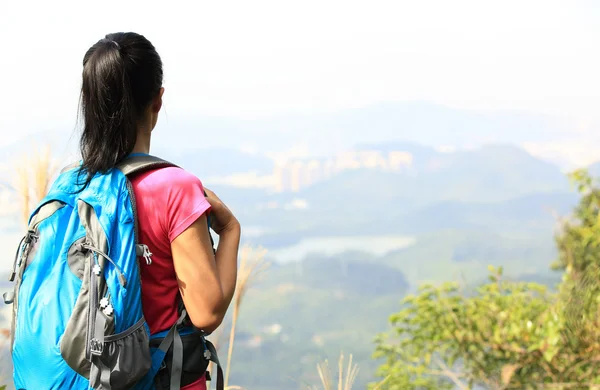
122	74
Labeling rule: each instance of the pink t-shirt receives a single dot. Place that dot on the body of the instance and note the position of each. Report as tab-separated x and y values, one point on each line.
168	200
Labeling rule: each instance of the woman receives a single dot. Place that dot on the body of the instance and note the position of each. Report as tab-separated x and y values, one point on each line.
121	98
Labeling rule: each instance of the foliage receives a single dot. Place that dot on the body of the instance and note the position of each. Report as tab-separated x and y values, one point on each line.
507	334
579	241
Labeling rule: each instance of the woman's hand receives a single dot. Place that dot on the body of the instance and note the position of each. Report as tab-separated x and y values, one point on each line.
222	219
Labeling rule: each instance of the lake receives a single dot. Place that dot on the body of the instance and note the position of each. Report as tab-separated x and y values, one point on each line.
335	245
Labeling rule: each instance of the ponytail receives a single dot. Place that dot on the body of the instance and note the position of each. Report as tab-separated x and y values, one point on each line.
122	73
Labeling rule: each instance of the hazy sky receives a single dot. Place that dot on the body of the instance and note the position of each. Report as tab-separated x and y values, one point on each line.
262	57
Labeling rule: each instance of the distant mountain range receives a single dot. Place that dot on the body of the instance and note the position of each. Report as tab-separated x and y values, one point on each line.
321	134
493	169
439	189
464	188
421	122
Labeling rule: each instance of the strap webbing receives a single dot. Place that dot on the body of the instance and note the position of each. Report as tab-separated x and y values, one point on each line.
177	363
215	359
104	376
97	359
70	166
136	164
131	164
174	338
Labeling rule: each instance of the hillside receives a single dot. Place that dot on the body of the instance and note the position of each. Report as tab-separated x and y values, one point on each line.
526	213
495	187
322	306
301	313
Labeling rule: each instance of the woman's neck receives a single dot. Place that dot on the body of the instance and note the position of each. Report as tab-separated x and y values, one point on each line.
142	145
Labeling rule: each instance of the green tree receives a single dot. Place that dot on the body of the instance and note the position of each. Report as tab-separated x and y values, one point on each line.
507	335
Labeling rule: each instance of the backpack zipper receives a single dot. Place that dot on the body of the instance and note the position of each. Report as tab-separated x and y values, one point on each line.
92	347
22	252
96	268
135	225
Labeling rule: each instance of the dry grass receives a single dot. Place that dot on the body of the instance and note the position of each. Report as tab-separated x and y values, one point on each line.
344	381
33	176
252	264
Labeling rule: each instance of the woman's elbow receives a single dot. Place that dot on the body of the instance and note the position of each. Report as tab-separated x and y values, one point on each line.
207	322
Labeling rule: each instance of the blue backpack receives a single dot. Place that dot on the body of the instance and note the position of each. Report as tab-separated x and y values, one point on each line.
77	318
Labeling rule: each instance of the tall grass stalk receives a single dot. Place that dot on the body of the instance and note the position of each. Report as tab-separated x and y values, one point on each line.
345	379
22	185
351	373
252	264
33	175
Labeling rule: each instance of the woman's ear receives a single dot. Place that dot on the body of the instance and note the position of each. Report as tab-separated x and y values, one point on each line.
157	103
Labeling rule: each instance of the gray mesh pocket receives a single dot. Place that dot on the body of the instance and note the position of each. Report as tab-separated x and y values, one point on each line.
126	355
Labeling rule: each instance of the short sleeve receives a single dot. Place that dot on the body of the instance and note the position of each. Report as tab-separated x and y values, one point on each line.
185	201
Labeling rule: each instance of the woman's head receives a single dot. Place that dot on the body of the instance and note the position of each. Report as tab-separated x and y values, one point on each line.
121	96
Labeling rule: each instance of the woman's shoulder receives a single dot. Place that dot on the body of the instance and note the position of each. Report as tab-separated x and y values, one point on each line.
172	174
169	177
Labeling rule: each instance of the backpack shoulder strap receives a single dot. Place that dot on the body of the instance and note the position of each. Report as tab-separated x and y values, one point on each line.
140	163
132	164
73	165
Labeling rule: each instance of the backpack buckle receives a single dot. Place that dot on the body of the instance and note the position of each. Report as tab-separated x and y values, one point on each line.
31	237
96	347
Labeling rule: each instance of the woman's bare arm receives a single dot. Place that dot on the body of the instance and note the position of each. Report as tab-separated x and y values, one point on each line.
206	283
226	258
